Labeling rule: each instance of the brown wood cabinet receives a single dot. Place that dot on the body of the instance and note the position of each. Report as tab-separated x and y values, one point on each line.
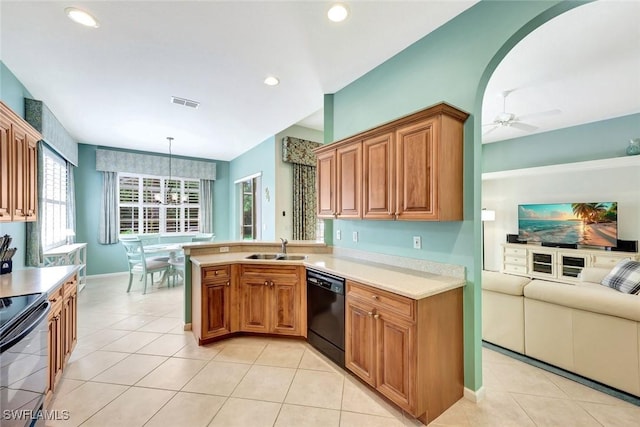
18	167
410	169
326	184
378	186
212	307
349	180
272	298
410	351
62	330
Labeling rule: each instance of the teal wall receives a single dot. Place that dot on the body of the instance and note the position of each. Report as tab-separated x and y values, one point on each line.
260	158
104	259
592	141
12	93
451	64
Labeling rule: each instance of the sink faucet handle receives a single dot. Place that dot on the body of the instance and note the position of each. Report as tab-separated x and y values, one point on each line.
284	241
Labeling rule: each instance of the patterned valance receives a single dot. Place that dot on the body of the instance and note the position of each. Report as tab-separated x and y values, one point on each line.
56	136
151	164
300	151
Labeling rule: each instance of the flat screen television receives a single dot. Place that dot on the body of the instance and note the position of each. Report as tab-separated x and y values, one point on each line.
588	224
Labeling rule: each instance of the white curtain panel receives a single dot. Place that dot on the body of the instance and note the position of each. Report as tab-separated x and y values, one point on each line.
108	233
206	206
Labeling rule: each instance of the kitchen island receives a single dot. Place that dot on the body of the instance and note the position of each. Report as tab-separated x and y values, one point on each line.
403	322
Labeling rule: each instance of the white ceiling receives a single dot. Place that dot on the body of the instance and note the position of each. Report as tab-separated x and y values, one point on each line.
584	63
111	86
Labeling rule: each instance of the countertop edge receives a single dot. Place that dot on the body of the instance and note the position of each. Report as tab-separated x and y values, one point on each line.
438	283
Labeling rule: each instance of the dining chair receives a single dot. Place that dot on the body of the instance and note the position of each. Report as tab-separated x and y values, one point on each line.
139	264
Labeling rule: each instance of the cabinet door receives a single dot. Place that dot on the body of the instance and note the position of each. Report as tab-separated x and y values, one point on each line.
254	297
5	169
19	173
285	307
396	363
55	339
349	180
30	188
360	340
326	184
379	179
216	309
417	173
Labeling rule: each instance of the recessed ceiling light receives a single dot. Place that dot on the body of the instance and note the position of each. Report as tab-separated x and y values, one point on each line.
271	81
81	17
338	12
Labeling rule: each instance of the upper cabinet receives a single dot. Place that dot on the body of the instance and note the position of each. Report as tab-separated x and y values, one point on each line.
408	169
18	167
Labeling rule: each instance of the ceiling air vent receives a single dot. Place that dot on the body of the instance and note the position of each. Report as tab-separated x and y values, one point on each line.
185	102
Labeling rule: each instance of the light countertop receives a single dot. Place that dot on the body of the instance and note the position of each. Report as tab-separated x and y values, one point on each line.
410	283
34	280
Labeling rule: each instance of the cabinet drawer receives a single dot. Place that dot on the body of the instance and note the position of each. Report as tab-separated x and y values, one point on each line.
56	295
270	270
515	260
515	252
70	287
515	269
215	273
383	300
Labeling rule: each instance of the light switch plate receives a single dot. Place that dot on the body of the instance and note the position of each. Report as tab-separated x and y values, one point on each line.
338	235
224	248
417	242
355	236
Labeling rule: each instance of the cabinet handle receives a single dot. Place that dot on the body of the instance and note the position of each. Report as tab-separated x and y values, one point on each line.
272	284
370	313
375	297
376	316
266	283
215	273
228	283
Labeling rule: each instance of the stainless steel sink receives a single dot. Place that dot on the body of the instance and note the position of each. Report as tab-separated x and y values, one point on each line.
263	256
277	257
290	257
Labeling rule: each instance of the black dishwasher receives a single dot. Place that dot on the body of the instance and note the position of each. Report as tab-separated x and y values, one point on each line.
325	314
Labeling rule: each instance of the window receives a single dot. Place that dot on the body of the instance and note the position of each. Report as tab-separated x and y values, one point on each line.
54	209
248	196
153	204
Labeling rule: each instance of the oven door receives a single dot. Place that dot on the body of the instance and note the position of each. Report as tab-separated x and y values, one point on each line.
23	367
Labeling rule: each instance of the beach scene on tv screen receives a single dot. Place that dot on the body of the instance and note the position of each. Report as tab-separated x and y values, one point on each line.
592	224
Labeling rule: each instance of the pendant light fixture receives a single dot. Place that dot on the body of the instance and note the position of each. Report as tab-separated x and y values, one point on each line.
172	197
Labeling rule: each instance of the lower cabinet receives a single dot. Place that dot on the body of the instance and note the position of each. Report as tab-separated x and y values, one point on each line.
267	299
62	330
408	350
212	308
271	299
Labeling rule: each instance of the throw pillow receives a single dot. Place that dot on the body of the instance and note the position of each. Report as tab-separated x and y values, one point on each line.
624	277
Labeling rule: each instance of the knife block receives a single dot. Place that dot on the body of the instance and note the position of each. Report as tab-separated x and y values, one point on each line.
6	267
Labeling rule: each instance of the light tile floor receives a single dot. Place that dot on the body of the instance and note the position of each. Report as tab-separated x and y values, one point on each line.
134	365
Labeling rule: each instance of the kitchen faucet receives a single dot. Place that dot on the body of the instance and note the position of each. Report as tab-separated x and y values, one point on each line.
284	245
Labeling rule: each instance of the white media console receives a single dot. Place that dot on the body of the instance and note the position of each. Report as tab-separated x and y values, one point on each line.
556	264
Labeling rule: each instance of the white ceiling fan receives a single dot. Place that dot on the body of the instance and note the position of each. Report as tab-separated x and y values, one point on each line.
507	119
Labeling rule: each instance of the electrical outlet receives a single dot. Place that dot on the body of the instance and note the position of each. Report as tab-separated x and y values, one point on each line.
224	249
417	242
355	236
338	235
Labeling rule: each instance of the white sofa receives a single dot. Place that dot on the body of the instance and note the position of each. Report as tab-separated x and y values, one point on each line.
586	328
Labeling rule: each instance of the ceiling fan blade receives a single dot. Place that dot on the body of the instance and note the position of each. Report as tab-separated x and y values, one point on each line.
540	114
490	130
523	126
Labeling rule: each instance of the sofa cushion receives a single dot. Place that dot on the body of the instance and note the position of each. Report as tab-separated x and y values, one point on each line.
503	283
585	298
594	274
624	277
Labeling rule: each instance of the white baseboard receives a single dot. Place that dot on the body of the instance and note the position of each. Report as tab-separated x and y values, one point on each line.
474	396
98	276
